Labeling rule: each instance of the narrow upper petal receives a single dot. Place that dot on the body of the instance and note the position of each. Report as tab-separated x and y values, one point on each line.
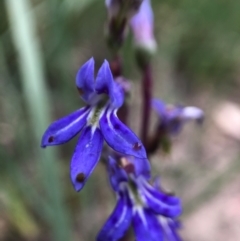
64	129
106	85
116	174
120	137
85	80
160	107
86	156
119	221
146	225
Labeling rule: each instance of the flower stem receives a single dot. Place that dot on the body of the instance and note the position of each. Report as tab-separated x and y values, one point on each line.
147	84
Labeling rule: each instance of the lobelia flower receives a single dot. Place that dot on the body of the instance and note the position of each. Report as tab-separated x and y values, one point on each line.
142	25
97	121
172	118
171	121
139	204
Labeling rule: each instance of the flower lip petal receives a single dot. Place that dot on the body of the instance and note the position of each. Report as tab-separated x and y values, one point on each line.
106	85
170	227
64	129
146	225
159	194
86	156
85	80
160	107
119	137
119	221
162	208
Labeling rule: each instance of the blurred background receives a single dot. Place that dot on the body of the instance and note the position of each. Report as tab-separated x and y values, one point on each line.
42	45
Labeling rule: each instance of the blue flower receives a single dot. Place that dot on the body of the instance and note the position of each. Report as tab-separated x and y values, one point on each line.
97	121
172	118
142	25
150	211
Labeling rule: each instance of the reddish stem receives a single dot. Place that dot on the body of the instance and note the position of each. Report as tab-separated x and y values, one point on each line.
147	84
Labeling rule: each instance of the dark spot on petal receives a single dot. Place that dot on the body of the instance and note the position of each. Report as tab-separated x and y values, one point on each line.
50	139
114	220
137	146
129	168
80	91
117	127
80	177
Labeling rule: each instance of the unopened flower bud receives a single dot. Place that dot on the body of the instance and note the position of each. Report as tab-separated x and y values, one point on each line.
119	14
142	25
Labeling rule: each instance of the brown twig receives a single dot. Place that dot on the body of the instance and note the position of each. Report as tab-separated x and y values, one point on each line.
147	85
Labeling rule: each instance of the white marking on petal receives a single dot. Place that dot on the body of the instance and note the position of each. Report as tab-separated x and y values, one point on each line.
164	223
191	112
139	209
75	121
91	115
146	193
123	214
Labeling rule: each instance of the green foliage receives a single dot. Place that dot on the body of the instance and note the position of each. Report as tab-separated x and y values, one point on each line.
41	49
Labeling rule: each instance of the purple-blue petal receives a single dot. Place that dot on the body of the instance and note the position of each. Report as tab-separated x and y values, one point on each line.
105	85
160	107
86	156
116	174
172	231
146	226
119	221
119	137
141	166
156	191
162	208
161	203
64	129
85	80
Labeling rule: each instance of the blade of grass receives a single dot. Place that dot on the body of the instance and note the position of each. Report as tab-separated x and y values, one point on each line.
37	102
